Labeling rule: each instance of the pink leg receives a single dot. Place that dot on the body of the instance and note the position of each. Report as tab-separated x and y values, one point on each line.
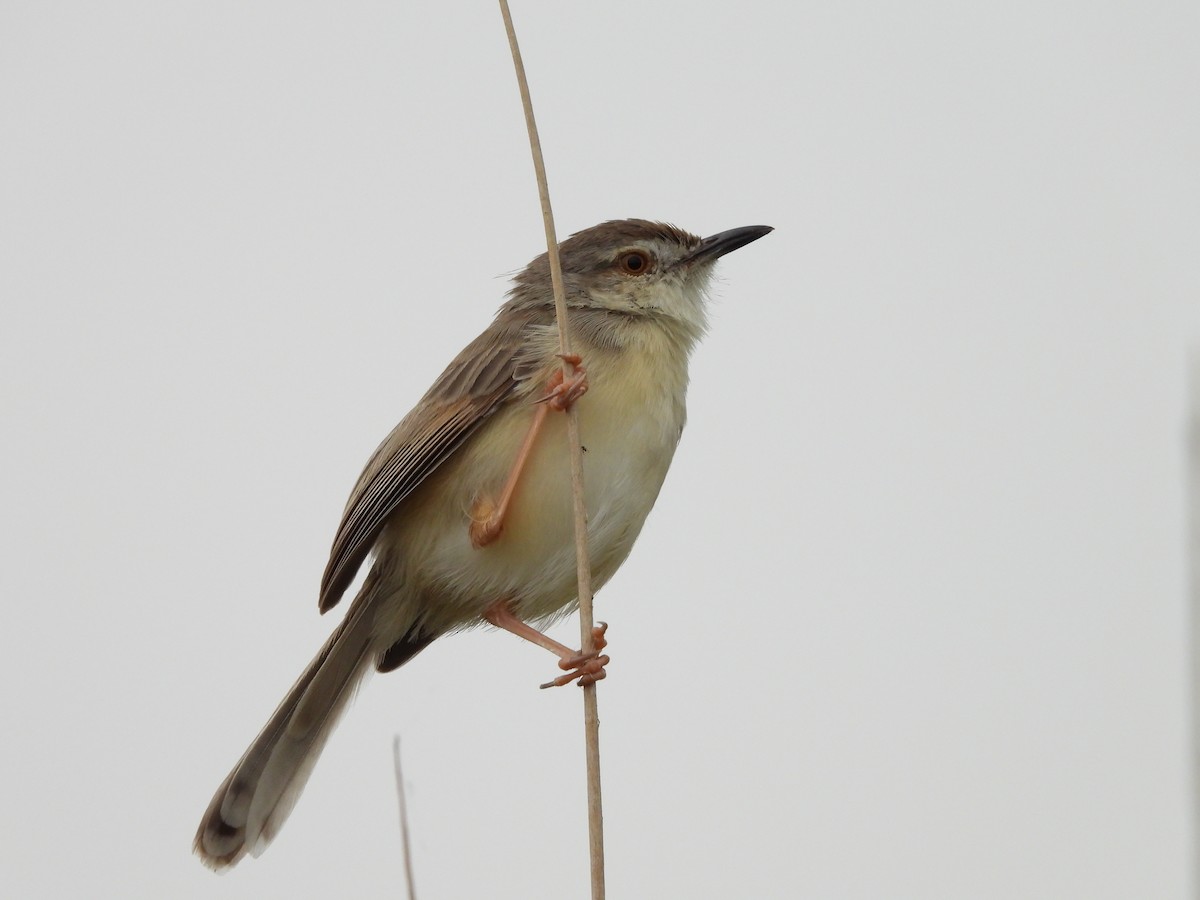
487	517
587	667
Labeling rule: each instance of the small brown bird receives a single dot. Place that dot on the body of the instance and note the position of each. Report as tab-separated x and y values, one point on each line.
467	505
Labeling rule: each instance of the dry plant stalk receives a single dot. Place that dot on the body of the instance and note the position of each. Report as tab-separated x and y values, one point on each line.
591	719
408	869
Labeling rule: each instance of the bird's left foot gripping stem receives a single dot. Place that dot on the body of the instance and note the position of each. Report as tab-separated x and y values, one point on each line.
487	516
587	668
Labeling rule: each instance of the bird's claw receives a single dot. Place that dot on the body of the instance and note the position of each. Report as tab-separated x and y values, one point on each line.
562	391
587	668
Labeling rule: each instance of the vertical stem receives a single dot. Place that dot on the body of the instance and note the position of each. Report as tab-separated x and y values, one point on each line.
591	719
408	869
1193	553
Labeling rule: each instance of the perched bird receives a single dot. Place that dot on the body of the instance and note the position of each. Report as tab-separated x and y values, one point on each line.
466	506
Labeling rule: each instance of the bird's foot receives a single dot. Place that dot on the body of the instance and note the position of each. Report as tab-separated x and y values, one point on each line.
588	668
562	391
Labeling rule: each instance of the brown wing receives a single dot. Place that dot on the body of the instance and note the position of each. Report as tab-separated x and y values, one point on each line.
477	383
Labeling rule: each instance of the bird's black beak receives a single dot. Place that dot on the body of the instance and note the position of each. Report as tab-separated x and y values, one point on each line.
727	241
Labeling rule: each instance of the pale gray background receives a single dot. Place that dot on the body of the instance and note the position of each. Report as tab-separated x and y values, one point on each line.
910	619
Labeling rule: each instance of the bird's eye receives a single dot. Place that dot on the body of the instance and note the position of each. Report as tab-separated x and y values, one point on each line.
634	262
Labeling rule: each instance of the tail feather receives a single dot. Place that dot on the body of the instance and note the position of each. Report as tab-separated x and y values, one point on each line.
255	799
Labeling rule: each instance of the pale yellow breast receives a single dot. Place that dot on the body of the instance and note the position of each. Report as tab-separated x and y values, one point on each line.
630	421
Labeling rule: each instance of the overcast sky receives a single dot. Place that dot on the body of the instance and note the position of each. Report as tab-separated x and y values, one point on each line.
911	617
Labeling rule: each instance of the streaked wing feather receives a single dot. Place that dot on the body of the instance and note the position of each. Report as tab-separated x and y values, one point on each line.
482	378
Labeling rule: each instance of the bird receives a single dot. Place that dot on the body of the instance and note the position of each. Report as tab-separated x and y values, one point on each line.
465	509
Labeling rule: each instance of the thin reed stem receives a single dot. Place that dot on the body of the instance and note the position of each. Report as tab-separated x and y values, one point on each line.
591	719
408	869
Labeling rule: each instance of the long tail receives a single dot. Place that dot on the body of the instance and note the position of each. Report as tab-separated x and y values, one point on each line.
252	804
